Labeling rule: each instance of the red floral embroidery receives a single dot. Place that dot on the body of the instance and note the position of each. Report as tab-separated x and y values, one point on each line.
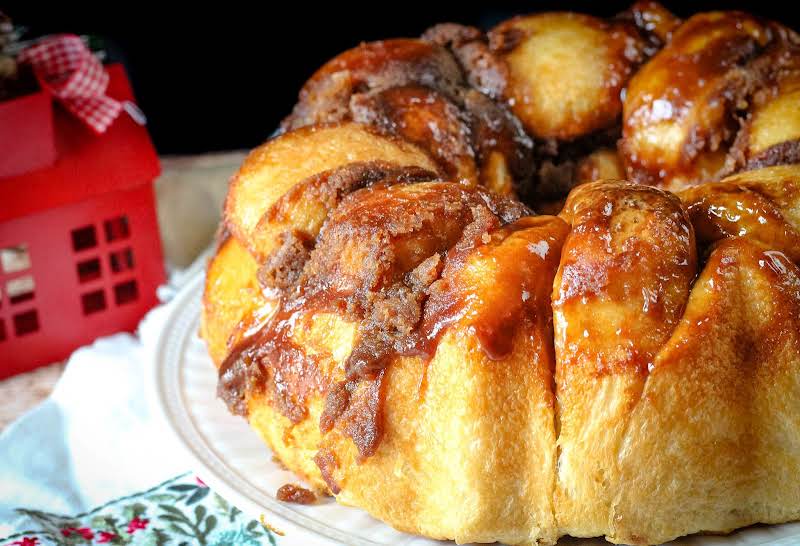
137	523
85	532
26	541
200	482
104	536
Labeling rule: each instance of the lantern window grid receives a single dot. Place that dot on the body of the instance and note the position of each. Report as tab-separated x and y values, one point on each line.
114	249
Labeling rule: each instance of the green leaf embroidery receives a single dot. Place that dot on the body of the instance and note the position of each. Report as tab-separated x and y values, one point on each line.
198	495
179	530
199	513
156	537
211	523
171	518
171	510
160	498
183	487
174	513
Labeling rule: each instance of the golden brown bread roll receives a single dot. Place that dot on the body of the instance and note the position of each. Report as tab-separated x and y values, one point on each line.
625	275
397	323
522	62
278	178
762	205
414	89
421	115
718	408
232	295
683	109
599	56
771	135
379	235
372	66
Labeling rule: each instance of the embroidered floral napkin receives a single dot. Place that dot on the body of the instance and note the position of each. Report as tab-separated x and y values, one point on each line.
179	511
90	465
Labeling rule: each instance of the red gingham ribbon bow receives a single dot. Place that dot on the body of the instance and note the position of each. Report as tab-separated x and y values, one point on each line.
66	68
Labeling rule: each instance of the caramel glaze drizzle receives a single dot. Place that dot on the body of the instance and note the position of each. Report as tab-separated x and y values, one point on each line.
626	272
651	240
495	316
522	251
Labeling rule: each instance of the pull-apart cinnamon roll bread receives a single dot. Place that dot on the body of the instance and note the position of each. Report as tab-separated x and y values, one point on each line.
437	299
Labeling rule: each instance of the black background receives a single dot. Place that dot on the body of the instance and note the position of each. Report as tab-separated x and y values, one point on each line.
222	77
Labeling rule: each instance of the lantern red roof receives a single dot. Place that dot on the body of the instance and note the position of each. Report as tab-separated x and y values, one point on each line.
87	165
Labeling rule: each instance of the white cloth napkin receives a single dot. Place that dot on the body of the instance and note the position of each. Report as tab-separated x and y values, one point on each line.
95	440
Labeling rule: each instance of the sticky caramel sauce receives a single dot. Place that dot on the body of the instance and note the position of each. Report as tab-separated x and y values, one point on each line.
626	273
426	118
267	361
695	83
372	57
754	292
366	267
327	463
722	210
373	66
521	260
654	20
295	494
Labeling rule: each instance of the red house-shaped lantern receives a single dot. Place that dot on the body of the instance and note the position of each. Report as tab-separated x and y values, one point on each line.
80	254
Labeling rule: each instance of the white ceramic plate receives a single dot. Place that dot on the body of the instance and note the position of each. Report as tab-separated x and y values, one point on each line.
231	458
